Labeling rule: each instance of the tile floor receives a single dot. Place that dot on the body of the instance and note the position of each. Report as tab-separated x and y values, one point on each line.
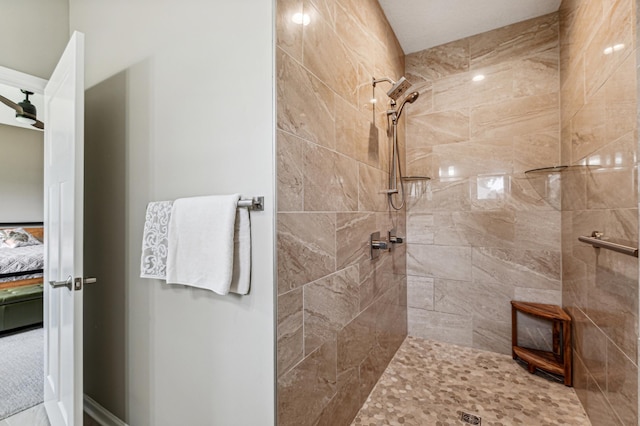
37	416
34	416
432	383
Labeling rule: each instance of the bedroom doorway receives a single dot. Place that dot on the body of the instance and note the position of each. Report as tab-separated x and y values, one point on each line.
21	262
63	279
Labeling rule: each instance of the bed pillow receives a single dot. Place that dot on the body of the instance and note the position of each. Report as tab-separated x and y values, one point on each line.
17	237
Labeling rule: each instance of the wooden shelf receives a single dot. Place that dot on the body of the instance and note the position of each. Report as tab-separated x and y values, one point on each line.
550	312
559	361
544	360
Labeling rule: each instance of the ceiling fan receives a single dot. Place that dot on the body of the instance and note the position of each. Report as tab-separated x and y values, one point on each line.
25	110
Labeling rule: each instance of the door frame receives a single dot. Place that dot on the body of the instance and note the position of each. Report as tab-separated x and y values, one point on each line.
21	80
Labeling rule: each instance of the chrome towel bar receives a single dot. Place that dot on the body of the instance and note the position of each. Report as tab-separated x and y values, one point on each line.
255	203
596	241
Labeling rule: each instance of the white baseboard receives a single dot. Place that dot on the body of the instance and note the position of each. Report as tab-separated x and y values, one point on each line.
100	414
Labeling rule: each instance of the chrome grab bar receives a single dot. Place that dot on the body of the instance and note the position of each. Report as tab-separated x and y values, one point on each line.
596	241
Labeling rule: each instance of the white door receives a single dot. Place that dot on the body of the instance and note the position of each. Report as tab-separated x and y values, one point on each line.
63	209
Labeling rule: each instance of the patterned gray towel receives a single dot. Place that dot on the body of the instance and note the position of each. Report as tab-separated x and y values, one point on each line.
153	262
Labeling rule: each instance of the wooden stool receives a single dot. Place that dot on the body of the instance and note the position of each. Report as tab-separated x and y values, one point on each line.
556	362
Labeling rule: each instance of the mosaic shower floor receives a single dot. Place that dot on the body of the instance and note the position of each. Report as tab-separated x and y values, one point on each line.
433	384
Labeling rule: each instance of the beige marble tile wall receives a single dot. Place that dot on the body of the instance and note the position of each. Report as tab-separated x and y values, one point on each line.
485	232
600	288
341	316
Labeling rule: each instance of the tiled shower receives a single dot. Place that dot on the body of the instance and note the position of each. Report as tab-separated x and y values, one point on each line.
486	229
485	233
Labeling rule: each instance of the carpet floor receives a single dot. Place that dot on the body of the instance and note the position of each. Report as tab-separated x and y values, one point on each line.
21	371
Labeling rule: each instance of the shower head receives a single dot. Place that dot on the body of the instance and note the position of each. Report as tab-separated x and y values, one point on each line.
399	88
411	99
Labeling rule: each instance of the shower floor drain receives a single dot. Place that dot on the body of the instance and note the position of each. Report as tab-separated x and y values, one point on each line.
470	418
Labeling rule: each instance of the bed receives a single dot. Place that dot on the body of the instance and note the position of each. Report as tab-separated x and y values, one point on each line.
22	265
21	275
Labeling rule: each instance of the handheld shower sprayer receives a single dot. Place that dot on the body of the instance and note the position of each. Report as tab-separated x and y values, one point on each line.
411	98
397	90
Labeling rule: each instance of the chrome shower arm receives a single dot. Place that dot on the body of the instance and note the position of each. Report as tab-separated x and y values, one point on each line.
381	80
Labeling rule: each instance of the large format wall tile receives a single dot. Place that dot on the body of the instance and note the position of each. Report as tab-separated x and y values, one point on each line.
290	172
612	302
352	237
341	315
514	41
356	340
524	268
325	55
326	9
438	128
420	292
353	134
538	230
599	122
520	116
440	61
306	248
449	328
480	299
588	127
372	184
535	150
475	157
329	304
305	104
617	29
537	74
290	330
451	93
497	86
485	230
492	335
622	385
330	180
305	390
439	261
289	33
598	408
344	406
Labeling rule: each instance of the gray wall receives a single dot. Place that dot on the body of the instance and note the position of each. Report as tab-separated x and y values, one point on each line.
21	179
178	104
105	237
33	35
32	38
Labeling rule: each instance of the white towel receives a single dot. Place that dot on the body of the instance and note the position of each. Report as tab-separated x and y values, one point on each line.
242	253
153	261
201	242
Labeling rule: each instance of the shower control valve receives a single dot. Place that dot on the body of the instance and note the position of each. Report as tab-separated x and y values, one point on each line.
376	245
394	239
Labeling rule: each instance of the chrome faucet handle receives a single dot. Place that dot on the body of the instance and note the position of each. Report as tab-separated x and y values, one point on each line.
393	238
376	245
379	245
